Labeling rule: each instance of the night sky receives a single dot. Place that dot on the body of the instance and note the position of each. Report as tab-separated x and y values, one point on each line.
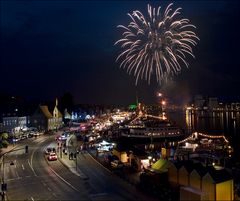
52	47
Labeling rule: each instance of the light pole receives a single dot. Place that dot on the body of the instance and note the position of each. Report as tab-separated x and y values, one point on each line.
163	109
150	160
4	185
76	159
160	99
159	94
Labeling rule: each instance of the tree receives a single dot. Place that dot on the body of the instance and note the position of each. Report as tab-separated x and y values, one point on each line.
3	140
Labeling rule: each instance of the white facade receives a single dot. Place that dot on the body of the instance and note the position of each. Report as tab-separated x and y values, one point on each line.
11	122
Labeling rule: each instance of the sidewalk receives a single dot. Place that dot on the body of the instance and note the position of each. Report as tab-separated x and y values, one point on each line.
71	164
131	177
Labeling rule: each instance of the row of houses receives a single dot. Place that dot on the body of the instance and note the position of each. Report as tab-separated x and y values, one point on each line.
195	180
15	119
199	182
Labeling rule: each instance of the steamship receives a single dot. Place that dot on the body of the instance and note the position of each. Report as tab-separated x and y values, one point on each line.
151	127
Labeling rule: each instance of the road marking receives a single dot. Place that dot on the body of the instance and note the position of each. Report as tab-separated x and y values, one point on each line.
64	180
32	168
17	174
32	199
18	178
23	167
49	189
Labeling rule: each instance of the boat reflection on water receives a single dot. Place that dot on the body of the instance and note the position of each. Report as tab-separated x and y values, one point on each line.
214	123
157	134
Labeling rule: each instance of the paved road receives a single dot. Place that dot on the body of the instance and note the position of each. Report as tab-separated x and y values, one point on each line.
32	177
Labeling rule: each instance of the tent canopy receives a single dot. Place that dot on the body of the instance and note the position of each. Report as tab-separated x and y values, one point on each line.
104	143
160	166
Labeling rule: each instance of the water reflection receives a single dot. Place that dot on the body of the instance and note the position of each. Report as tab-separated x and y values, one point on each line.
226	123
211	122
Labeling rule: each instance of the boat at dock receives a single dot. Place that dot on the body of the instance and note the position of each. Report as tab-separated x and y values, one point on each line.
151	127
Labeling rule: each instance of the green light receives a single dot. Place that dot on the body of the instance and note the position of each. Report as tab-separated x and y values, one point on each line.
132	107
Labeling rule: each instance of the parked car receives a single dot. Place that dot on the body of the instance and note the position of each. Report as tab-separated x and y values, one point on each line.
50	150
24	136
15	139
52	156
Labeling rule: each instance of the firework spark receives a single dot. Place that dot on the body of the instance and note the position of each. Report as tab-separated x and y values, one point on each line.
156	44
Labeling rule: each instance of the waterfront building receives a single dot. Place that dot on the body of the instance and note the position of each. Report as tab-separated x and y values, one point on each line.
183	176
218	184
201	182
173	173
67	115
213	103
10	121
14	120
43	119
191	194
235	106
199	101
195	176
57	116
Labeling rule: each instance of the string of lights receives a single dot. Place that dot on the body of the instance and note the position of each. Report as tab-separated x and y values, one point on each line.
203	135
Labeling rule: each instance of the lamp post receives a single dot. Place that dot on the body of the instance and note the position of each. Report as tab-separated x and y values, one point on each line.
159	94
162	102
75	156
4	185
150	160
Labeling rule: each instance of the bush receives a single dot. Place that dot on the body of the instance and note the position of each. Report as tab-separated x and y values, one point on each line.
5	143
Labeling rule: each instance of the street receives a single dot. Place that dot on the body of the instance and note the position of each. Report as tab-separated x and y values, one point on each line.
33	177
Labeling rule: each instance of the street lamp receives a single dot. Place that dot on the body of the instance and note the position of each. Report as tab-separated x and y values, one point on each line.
159	94
4	185
150	160
161	101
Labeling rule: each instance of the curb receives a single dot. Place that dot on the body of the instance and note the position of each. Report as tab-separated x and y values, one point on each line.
99	162
77	172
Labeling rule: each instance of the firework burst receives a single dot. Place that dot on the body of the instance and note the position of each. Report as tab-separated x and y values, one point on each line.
156	44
